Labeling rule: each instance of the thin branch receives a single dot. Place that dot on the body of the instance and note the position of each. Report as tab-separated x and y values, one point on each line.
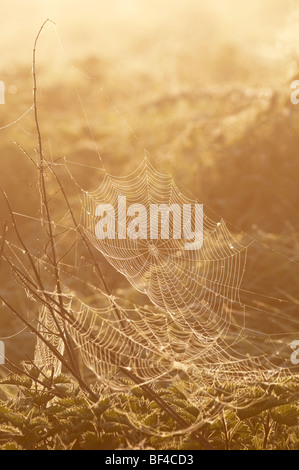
44	198
51	347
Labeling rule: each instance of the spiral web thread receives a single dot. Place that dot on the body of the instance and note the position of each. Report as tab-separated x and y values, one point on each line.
200	287
193	329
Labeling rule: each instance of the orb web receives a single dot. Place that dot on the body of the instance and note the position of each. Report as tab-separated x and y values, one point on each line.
198	286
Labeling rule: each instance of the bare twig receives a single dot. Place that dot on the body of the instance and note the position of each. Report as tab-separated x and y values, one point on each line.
44	201
54	302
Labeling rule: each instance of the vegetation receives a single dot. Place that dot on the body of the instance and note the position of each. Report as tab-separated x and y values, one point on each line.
231	142
58	416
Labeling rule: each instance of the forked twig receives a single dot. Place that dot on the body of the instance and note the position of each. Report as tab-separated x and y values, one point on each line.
54	302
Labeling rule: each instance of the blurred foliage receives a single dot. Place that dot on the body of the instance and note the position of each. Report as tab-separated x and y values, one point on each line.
231	145
62	418
217	116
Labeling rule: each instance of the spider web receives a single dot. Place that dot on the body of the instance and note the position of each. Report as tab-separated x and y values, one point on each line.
119	337
49	326
199	286
188	331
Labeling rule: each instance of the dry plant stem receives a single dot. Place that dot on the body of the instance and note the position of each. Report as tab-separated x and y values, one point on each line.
83	237
38	278
267	429
33	288
50	386
54	351
3	240
154	396
122	367
169	410
225	432
44	201
57	307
